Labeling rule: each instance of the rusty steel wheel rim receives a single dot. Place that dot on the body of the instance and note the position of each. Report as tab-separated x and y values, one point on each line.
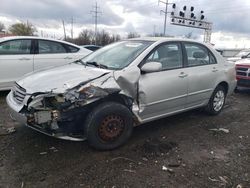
111	128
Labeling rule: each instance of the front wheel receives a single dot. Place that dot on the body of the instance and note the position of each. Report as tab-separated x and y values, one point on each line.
108	126
217	101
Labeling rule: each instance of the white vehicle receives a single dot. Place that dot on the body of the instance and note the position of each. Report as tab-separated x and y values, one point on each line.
23	54
243	54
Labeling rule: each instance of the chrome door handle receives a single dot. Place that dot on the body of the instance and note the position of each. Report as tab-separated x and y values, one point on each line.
183	75
215	70
24	58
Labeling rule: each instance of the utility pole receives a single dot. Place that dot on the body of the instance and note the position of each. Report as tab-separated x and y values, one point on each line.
96	11
64	30
166	13
154	31
72	27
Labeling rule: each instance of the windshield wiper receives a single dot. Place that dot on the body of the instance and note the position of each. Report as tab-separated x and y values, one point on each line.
78	61
96	64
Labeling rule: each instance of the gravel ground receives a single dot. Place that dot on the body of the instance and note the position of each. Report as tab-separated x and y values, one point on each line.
179	151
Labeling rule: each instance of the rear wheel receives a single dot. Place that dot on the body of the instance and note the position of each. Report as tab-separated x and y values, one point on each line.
216	101
108	126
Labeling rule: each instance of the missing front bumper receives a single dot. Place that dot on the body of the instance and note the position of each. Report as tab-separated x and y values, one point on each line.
57	135
23	120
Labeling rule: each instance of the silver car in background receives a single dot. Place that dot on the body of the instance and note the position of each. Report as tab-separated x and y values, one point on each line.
103	96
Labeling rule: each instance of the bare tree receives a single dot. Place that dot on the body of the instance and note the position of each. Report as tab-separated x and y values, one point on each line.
115	38
22	29
133	35
88	37
2	27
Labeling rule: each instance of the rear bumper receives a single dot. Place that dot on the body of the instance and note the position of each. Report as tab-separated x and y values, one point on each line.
242	82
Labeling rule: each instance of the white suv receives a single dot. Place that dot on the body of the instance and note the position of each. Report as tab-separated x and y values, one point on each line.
22	55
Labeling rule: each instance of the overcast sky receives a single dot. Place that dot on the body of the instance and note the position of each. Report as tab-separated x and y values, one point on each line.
230	19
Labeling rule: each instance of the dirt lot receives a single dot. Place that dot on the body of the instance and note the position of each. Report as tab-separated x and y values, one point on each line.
192	154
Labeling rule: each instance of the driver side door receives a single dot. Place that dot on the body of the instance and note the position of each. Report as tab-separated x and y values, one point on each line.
163	92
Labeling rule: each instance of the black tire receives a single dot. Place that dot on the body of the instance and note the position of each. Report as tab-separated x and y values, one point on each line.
108	126
210	108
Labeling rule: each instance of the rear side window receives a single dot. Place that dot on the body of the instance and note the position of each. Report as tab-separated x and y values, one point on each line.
198	55
72	49
212	59
50	47
15	47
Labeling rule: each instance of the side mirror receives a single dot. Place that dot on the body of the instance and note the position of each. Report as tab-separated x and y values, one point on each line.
151	67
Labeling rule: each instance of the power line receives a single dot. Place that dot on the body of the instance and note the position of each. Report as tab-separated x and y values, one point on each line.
229	9
226	5
147	5
96	11
72	27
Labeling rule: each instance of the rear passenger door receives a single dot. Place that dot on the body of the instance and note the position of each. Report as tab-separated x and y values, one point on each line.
202	70
50	53
16	60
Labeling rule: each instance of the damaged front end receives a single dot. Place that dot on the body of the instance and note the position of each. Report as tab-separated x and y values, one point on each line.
61	112
62	115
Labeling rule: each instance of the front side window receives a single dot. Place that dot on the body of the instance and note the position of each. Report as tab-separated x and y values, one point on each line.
50	47
117	55
169	55
198	55
15	47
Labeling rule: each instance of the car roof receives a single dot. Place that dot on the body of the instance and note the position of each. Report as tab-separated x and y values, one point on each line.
35	37
163	39
169	39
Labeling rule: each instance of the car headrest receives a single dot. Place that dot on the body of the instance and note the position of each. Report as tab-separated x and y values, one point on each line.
199	54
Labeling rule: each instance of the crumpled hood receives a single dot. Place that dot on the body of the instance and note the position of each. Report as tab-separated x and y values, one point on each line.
59	79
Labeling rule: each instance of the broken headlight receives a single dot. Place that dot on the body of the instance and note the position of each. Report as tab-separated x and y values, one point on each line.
91	92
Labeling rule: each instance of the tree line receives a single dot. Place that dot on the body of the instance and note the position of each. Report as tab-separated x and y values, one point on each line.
101	38
19	29
86	36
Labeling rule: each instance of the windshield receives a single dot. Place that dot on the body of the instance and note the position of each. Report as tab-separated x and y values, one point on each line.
117	55
242	53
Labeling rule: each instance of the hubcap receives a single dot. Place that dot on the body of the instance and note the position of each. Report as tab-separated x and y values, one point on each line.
219	99
111	128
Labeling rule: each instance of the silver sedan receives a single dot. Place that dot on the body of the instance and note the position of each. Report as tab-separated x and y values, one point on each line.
103	96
